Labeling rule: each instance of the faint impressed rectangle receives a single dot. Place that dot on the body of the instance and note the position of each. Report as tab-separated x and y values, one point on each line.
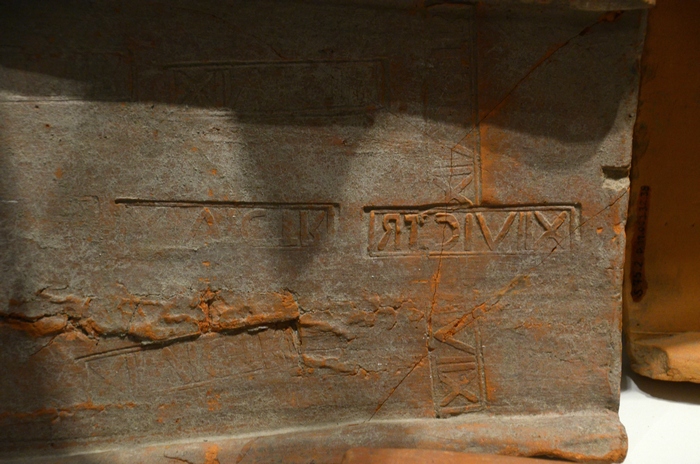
314	88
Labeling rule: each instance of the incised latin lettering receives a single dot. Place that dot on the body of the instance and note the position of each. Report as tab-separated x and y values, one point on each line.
451	231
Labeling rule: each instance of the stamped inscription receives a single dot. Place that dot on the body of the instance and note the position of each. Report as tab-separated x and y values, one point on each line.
458	371
446	230
458	179
126	375
263	225
271	88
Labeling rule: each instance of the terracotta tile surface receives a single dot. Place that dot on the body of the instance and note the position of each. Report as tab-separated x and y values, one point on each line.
273	231
413	456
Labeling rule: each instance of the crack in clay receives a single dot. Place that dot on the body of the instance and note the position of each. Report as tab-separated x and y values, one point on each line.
381	404
159	344
116	352
297	343
527	273
478	311
420	129
245	450
70	311
333	364
281	313
429	319
57	413
53	324
131	319
604	209
43	347
295	297
538	64
261	314
175	458
486	306
306	321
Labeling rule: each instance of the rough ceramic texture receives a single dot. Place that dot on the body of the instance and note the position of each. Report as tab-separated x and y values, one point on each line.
661	289
414	456
323	225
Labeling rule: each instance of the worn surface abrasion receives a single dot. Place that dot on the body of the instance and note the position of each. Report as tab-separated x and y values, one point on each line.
338	224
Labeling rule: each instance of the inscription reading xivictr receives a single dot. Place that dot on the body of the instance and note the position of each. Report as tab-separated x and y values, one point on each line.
448	230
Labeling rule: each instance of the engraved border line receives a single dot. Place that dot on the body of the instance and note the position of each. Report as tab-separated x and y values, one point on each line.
222	204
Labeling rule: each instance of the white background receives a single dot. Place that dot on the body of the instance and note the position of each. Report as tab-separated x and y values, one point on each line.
662	420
